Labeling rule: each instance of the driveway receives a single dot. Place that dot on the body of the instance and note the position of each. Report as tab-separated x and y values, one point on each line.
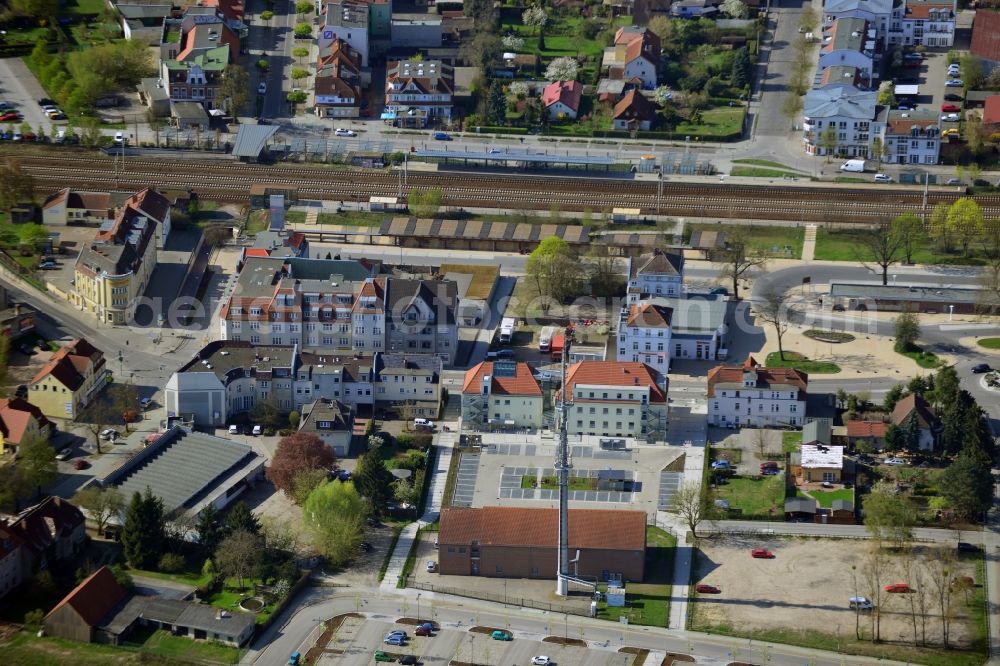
777	59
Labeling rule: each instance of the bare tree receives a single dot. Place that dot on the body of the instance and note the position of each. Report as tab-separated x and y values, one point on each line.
102	504
760	438
940	569
738	259
690	506
774	309
880	246
921	598
875	567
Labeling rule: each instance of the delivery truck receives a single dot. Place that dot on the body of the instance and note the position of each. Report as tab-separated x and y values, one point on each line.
506	330
545	338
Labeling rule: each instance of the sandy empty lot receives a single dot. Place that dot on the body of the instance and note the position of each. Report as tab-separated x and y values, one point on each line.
807	586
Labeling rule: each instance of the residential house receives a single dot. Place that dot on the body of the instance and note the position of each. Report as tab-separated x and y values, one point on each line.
697	326
562	99
68	206
194	620
877	13
16	319
330	420
635	56
501	394
658	274
851	42
113	271
19	421
752	395
193	56
410	382
78	616
69	381
341	307
871	434
349	22
851	112
800	509
52	531
338	82
644	335
11	564
143	22
514	542
617	399
156	207
929	425
418	93
986	36
818	464
695	8
228	378
911	137
925	22
634	112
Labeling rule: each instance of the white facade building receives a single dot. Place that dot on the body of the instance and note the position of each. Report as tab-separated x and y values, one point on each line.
911	137
617	399
644	335
501	395
657	274
851	112
752	395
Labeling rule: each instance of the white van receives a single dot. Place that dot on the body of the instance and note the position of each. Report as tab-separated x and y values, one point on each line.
853	166
423	423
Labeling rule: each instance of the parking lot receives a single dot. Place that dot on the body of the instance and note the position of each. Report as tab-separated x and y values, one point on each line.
807	586
20	89
357	640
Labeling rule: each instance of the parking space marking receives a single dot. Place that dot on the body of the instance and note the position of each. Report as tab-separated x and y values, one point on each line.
669	483
465	480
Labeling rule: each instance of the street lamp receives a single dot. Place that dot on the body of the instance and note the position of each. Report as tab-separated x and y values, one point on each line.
418	606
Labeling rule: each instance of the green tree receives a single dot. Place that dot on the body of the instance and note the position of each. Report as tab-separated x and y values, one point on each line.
829	141
483	50
892	396
235	89
496	104
906	328
967	485
300	53
266	16
295	454
888	514
895	440
973	71
143	532
879	150
12	488
240	518
335	516
938	227
238	555
16	185
911	432
306	481
304	6
742	68
209	528
303	30
373	480
910	231
47	9
101	504
299	73
965	222
554	268
37	462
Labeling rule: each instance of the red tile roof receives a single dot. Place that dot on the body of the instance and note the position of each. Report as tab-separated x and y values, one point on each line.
150	202
15	416
925	415
647	314
515	526
733	374
634	106
986	35
874	429
69	363
522	383
567	92
991	110
94	598
616	373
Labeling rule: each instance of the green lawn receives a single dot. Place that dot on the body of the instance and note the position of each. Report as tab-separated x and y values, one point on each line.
922	358
352	218
834	337
761	497
25	649
990	343
82	6
552	483
771	240
191	576
848	245
164	644
800	362
764	163
229	598
720	121
762	172
790	440
826	498
648	603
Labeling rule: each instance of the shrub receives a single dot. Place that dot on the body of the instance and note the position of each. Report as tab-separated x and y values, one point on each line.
303	30
171	563
33	619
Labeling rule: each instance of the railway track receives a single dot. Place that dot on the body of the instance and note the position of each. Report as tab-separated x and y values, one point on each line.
231	181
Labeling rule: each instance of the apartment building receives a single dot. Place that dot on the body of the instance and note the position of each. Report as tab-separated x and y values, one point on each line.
877	13
69	381
924	22
232	377
658	274
911	137
418	93
617	399
752	395
644	335
341	306
338	82
194	54
112	272
851	112
348	22
851	42
501	394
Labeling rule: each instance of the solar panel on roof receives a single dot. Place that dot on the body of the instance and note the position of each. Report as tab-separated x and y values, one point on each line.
505	368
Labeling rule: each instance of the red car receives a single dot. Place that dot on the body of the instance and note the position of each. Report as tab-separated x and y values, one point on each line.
80	463
761	554
707	589
901	588
421	631
950	107
10	115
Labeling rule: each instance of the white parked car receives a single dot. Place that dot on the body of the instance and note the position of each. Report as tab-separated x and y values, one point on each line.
257	430
109	434
954	83
340	131
423	423
431	566
64	454
119	137
234	430
895	461
883	178
541	660
951	117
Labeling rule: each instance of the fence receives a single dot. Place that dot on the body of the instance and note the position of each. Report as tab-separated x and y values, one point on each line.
501	599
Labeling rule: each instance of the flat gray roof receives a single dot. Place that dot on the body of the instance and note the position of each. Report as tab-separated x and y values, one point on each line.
903	292
694	316
250	139
518	156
